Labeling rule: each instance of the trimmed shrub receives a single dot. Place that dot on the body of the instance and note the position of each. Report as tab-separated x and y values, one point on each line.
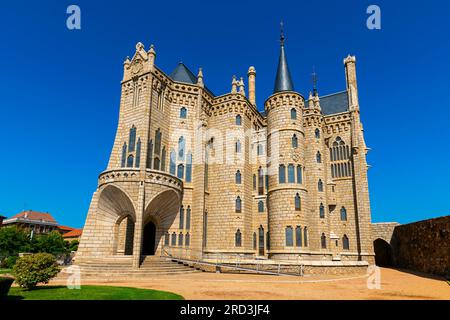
33	269
5	284
9	262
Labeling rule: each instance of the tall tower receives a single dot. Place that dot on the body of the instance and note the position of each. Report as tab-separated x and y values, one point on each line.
285	140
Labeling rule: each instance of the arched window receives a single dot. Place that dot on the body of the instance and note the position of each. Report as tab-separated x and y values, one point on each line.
166	239
298	203
181	217
260	206
189	167
343	214
291	173
299	174
254	182
183	113
317	133
260	181
156	163
282	173
345	243
322	211
132	139
158	136
124	155
238	205
174	239
305	236
268	240
238	238
238	146
130	161
238	177
318	157
294	141
323	241
188	218
254	240
187	240
173	159
238	120
293	114
138	154
320	185
150	154
180	239
181	146
163	159
180	171
298	236
289	237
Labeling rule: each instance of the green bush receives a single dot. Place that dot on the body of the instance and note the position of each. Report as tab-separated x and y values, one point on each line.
33	269
5	284
9	262
14	240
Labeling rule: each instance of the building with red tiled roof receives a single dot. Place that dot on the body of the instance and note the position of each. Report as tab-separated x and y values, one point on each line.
39	222
75	234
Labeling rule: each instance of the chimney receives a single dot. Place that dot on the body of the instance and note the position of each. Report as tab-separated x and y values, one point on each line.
251	85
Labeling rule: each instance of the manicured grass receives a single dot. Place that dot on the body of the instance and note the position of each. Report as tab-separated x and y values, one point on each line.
2	271
90	293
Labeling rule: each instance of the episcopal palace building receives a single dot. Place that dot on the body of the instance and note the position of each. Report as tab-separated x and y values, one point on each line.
216	175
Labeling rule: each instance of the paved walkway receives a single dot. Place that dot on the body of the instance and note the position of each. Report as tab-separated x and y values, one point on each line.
395	284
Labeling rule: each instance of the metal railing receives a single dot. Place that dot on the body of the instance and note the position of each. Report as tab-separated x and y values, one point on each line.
230	261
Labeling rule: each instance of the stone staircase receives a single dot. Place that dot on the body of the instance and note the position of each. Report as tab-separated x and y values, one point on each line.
118	269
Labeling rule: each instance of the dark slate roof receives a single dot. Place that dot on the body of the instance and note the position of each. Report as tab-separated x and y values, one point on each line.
183	74
333	103
283	80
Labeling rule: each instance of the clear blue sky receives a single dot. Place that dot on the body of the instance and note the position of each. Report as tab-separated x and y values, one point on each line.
60	89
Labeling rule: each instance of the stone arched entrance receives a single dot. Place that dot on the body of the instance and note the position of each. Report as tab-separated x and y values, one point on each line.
149	237
383	253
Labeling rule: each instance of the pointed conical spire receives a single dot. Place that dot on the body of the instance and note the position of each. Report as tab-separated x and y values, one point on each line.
283	81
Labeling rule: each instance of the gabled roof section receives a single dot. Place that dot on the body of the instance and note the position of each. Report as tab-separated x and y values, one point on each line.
30	215
334	103
183	74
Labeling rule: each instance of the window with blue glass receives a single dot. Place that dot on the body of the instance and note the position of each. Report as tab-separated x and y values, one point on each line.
293	114
173	159
289	237
187	240
138	154
318	157
321	211
124	155
132	139
180	171
298	236
238	177
181	146
320	185
317	133
345	242
282	173
299	174
163	159
238	206
188	218
260	206
189	167
343	214
294	141
323	241
298	203
291	173
238	238
183	113
238	120
130	161
181	224
238	146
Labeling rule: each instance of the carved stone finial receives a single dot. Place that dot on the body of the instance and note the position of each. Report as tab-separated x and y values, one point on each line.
241	86
200	77
234	84
152	50
350	59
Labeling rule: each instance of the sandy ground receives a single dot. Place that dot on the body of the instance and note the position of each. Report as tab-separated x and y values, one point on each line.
395	284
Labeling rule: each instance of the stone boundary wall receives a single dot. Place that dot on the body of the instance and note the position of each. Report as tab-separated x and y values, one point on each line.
424	246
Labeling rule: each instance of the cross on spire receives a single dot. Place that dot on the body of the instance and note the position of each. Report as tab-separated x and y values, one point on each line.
282	33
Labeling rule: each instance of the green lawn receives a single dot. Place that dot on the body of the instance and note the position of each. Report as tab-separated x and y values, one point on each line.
2	271
90	293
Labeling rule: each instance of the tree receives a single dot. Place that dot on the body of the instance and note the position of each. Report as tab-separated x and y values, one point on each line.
50	243
13	240
36	268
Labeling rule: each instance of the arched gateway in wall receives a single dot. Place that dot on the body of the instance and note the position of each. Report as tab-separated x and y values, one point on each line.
129	214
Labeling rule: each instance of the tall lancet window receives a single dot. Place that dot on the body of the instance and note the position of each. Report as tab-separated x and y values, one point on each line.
282	173
138	154
294	141
173	159
132	139
180	171
181	146
291	173
150	154
238	179
322	211
130	161
318	157
238	208
188	218
299	174
317	133
238	238
181	225
320	185
183	113
124	155
293	114
189	167
238	146
158	136
238	120
298	203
